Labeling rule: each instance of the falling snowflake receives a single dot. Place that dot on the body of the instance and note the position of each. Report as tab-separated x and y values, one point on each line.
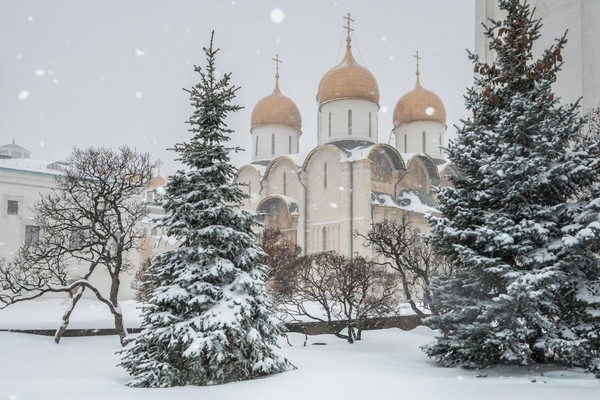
138	95
24	94
42	144
30	18
139	53
40	72
277	16
384	109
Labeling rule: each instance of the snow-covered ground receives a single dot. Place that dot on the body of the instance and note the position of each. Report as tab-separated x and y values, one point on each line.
387	364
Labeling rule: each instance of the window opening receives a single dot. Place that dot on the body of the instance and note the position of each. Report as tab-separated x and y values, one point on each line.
12	207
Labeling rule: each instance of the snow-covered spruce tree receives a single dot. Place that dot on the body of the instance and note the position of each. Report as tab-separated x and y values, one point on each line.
207	321
521	224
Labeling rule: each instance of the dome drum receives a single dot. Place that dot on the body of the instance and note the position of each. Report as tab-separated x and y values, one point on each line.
348	119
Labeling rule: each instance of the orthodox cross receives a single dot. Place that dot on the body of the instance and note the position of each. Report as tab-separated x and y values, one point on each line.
348	28
158	164
277	62
418	59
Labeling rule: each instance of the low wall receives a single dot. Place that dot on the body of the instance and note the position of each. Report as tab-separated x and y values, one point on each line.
405	322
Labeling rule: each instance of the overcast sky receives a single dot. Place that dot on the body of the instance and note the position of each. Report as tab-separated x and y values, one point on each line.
111	72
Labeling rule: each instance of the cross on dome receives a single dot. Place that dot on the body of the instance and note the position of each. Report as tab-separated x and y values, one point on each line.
158	164
277	62
418	59
348	28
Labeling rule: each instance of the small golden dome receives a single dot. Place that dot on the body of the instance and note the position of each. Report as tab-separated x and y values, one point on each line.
348	80
157	181
276	109
419	105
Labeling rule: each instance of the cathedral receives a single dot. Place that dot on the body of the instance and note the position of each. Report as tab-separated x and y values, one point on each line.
319	199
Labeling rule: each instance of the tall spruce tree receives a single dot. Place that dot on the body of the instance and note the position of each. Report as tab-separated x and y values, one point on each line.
522	223
207	321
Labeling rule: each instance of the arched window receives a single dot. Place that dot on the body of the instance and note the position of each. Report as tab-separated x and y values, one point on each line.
284	184
405	143
349	122
440	142
324	238
370	131
290	145
256	147
329	125
424	142
325	175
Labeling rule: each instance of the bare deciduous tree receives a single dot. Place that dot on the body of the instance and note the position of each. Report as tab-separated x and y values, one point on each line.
89	220
331	287
284	260
401	248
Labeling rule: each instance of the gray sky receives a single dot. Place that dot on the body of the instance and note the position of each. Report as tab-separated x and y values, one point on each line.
111	72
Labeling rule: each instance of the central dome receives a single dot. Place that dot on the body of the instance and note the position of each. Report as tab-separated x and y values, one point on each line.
348	80
276	109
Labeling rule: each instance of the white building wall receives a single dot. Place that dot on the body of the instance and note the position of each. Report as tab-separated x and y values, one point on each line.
282	179
362	125
270	141
24	187
409	138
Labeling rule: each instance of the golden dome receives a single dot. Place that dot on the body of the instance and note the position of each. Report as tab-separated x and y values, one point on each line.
419	105
157	181
276	109
348	80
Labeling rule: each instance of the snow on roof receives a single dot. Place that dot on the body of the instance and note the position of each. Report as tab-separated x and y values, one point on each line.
26	165
409	200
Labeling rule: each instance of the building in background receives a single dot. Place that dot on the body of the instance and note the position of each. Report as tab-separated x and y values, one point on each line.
23	181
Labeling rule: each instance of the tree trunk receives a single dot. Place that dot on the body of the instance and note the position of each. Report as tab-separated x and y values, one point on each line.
67	315
408	296
118	314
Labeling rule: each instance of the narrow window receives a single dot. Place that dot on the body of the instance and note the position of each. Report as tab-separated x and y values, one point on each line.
424	142
256	147
349	122
12	207
32	235
290	145
324	238
370	132
440	142
329	124
249	188
405	144
284	184
325	175
272	143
